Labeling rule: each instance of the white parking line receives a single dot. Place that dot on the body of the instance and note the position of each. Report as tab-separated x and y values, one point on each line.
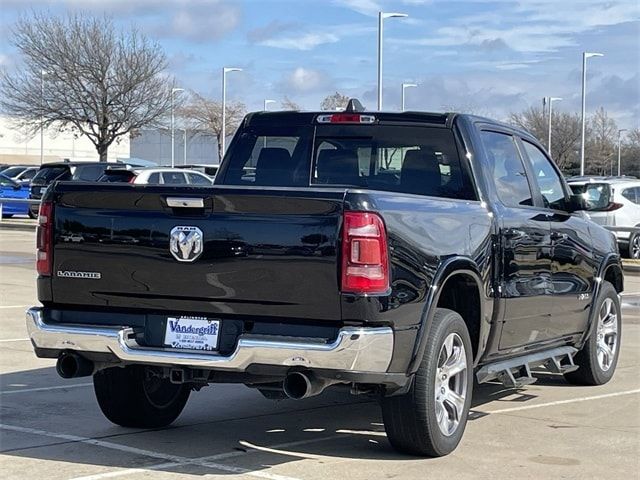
44	389
13	306
147	453
13	340
563	402
220	456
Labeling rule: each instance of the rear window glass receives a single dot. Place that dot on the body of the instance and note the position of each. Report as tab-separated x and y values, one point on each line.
88	173
597	195
49	174
417	160
114	177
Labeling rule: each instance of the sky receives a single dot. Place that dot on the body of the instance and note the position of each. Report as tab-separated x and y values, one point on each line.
491	57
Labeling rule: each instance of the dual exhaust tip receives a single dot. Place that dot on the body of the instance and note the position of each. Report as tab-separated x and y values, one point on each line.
296	385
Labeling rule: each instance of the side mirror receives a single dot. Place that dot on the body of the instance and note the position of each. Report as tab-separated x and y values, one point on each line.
577	203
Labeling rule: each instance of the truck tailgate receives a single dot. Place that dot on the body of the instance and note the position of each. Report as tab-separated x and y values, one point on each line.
264	251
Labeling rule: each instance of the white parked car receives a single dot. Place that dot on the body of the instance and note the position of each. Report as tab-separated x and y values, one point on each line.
156	176
618	200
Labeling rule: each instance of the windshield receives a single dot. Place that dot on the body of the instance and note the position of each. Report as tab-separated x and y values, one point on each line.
406	159
7	182
13	171
49	174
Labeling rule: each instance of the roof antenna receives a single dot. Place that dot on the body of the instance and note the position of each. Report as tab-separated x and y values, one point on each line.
354	106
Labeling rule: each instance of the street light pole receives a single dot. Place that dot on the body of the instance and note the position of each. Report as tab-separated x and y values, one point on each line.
223	139
551	100
585	56
619	132
173	91
267	102
381	17
185	146
404	87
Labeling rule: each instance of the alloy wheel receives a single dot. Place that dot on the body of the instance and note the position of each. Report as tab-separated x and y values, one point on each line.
451	384
607	334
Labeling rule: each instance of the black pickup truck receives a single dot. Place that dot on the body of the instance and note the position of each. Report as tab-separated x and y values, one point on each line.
396	254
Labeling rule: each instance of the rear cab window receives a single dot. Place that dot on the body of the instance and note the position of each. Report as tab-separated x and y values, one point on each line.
49	174
418	160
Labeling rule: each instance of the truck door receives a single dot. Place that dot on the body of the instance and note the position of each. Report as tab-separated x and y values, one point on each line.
572	263
525	244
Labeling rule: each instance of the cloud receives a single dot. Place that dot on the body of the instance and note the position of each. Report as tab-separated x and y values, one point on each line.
301	40
303	80
365	7
269	31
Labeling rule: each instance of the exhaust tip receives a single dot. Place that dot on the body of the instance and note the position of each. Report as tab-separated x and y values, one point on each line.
67	365
297	385
71	365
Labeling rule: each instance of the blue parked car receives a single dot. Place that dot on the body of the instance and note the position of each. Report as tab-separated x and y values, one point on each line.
11	189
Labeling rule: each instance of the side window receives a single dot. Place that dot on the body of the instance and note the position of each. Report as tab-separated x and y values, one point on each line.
507	169
89	173
196	179
173	178
632	194
154	179
548	179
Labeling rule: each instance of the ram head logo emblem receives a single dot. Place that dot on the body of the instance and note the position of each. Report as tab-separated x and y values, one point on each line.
186	243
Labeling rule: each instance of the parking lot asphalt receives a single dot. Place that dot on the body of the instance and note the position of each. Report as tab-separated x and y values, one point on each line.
52	428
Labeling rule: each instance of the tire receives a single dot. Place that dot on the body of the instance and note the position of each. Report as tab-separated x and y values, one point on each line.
411	420
135	396
32	215
634	246
7	215
593	369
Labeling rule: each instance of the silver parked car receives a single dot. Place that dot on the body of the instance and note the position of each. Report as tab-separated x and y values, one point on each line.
618	203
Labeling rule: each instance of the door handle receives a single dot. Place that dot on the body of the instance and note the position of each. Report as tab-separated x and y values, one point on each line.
185	202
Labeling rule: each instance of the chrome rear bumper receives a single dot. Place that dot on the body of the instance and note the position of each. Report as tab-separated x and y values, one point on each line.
355	349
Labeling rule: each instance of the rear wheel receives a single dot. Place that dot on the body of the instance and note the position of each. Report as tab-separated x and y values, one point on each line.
598	358
138	396
634	246
7	215
430	419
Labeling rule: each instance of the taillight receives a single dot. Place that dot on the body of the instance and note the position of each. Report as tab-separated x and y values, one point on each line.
365	260
44	239
613	206
346	118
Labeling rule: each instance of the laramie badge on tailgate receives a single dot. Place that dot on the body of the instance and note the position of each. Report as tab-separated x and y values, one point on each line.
185	243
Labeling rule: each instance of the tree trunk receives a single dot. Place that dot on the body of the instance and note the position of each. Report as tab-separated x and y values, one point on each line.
219	149
102	152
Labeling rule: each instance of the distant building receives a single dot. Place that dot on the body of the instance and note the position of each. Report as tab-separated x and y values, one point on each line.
18	148
155	145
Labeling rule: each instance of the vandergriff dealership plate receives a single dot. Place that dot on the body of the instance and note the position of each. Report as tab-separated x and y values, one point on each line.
192	333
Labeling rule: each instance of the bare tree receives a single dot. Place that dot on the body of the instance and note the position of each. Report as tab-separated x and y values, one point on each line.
81	74
601	143
336	101
288	104
205	115
630	153
566	129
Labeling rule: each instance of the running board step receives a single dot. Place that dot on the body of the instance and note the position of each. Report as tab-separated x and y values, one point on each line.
516	372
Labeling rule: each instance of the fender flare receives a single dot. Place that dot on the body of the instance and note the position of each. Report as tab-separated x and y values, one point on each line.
610	261
451	266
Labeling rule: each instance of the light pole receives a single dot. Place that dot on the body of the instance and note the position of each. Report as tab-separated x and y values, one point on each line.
267	102
173	92
551	100
619	132
585	55
42	74
404	87
381	17
225	70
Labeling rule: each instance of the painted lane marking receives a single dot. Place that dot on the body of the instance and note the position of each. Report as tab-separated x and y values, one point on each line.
44	389
13	306
14	340
146	453
562	402
219	456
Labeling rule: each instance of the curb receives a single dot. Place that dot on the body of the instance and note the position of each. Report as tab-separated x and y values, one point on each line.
24	227
628	266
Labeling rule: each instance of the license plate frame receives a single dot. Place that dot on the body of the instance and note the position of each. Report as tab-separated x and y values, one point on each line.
183	332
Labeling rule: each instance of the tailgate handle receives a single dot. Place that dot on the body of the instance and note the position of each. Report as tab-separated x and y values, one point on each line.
185	202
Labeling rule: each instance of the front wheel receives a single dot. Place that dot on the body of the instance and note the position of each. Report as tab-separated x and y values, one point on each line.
634	246
430	419
139	396
599	356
